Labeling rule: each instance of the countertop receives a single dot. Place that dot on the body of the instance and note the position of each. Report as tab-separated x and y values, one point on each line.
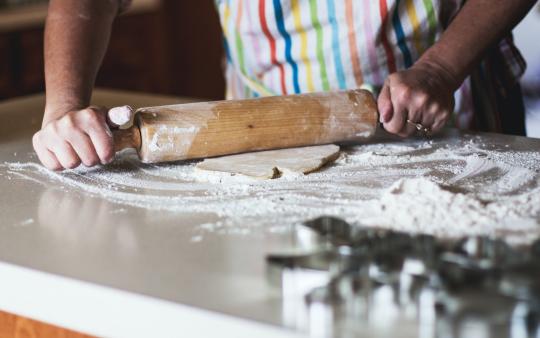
135	274
70	259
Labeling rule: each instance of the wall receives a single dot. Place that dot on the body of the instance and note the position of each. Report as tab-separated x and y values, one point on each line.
171	48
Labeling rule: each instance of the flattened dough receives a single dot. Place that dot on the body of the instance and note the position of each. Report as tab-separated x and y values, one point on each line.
273	163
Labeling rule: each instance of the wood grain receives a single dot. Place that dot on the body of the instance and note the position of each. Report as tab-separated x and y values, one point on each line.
12	326
127	138
201	130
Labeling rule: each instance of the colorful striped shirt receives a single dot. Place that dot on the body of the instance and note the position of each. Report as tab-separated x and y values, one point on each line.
277	47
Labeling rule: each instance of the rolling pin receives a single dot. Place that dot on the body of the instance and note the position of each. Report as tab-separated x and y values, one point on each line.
208	129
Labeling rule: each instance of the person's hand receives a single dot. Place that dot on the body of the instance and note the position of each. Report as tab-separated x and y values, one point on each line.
79	136
422	94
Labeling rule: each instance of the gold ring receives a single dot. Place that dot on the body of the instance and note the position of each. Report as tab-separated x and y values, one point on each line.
421	130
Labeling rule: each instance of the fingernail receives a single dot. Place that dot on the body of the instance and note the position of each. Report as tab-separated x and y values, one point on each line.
108	131
107	161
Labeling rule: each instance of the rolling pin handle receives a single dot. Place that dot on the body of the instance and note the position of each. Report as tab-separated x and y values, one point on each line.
127	138
120	116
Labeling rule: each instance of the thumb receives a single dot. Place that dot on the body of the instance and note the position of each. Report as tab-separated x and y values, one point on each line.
384	104
119	116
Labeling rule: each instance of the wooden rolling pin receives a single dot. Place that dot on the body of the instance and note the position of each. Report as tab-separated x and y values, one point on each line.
207	129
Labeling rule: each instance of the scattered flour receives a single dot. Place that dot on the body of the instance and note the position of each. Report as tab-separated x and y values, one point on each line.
448	190
26	222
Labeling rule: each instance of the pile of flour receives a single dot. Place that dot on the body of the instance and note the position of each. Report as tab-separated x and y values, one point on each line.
422	206
448	190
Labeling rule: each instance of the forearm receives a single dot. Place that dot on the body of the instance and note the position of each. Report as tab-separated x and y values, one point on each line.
479	25
76	38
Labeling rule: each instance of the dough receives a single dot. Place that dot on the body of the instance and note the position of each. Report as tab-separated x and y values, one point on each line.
273	163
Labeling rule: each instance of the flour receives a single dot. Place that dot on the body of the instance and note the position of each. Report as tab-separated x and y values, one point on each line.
510	177
166	138
26	222
121	116
448	190
422	206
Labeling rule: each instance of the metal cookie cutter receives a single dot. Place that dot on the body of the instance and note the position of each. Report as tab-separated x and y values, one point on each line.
297	275
346	263
353	273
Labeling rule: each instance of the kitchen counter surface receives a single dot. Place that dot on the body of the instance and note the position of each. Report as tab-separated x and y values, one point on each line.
80	261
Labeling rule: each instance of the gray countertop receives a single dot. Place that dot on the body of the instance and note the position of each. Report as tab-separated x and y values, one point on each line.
148	253
70	258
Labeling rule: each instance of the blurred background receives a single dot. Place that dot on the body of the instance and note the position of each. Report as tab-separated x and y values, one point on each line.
526	35
174	47
158	46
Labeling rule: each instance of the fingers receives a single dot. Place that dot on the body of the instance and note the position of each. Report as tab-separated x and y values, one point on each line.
103	143
409	128
414	97
428	115
384	104
78	137
66	155
398	124
399	98
99	133
53	149
45	155
440	121
83	146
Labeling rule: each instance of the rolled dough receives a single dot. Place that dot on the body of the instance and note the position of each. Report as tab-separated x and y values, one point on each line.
273	163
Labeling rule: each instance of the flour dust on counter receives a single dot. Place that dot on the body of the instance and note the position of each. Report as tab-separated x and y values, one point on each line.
460	188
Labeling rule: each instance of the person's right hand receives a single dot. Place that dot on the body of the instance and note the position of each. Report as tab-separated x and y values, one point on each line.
79	136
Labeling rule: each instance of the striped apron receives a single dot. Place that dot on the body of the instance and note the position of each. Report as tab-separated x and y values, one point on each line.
279	47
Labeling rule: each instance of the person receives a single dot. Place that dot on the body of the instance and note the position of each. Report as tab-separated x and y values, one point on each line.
426	58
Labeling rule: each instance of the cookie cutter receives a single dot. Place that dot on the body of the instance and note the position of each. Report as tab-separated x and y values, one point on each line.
336	282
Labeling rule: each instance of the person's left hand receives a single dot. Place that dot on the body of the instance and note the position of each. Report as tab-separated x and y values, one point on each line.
421	94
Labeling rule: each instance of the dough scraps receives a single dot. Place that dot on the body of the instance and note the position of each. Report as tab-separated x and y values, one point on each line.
273	163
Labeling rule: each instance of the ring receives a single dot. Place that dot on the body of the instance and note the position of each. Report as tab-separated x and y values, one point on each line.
421	130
